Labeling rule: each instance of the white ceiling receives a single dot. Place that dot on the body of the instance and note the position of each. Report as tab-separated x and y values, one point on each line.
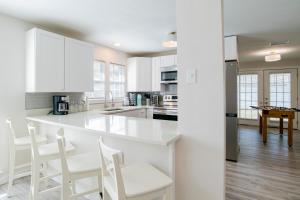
259	22
141	25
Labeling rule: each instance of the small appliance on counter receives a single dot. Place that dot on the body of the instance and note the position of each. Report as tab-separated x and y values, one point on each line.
60	105
139	100
132	99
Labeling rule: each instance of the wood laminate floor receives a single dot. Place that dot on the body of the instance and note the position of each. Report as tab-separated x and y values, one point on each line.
264	172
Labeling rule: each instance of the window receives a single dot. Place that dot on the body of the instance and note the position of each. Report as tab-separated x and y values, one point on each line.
247	96
117	80
99	81
280	90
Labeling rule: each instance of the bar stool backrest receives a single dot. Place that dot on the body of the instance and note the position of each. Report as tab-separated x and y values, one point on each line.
12	133
110	161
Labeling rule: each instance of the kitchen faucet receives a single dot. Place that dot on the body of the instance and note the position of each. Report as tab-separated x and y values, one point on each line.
112	100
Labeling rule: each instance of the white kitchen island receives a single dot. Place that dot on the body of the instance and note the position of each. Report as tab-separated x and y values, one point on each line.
141	140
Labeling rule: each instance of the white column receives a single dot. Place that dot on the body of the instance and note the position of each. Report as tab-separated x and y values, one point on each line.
200	154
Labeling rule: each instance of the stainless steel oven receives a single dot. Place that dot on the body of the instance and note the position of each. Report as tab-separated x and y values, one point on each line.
169	110
169	74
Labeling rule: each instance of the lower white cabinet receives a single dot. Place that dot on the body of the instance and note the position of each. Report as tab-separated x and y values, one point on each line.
140	113
150	113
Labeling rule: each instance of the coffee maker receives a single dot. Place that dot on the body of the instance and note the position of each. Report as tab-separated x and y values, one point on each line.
60	105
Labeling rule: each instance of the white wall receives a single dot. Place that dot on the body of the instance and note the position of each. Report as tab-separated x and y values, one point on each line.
12	79
200	154
110	55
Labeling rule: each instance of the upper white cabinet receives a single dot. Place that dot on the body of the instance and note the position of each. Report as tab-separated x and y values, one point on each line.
169	60
139	74
156	73
44	61
78	66
55	63
231	48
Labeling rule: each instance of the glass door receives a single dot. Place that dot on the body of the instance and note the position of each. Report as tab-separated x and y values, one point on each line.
280	90
249	94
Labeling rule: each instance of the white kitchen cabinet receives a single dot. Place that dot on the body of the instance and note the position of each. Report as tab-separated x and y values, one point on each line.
149	113
78	66
156	74
231	48
55	63
44	61
139	74
167	61
139	113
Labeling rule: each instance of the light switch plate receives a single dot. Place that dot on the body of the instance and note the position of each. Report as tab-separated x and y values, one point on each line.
191	76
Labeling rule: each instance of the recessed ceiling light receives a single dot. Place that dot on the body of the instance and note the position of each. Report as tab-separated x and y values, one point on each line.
273	57
117	44
171	41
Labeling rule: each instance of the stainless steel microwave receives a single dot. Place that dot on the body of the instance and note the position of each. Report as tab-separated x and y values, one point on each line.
169	74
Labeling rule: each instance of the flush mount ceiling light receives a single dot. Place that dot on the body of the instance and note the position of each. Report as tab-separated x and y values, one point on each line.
171	41
117	44
273	57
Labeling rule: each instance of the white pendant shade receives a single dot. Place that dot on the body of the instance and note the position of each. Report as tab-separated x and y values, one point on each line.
273	57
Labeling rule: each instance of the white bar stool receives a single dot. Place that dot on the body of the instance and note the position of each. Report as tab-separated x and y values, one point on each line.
78	167
134	182
15	145
41	154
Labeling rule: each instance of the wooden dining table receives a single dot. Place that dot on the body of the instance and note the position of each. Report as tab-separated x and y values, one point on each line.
266	112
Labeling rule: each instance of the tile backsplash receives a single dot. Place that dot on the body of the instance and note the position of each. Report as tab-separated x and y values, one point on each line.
44	100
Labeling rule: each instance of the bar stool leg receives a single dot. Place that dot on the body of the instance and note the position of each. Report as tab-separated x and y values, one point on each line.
99	178
73	185
45	173
35	181
65	190
12	158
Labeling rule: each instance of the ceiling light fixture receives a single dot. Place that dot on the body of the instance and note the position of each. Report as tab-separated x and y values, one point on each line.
273	57
117	44
171	41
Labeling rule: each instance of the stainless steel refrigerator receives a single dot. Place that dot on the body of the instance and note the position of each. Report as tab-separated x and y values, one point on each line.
232	135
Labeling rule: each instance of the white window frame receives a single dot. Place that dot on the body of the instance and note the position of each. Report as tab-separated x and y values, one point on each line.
125	81
95	99
239	93
107	84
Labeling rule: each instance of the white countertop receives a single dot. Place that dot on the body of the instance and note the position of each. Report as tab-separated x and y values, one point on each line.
124	109
149	131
